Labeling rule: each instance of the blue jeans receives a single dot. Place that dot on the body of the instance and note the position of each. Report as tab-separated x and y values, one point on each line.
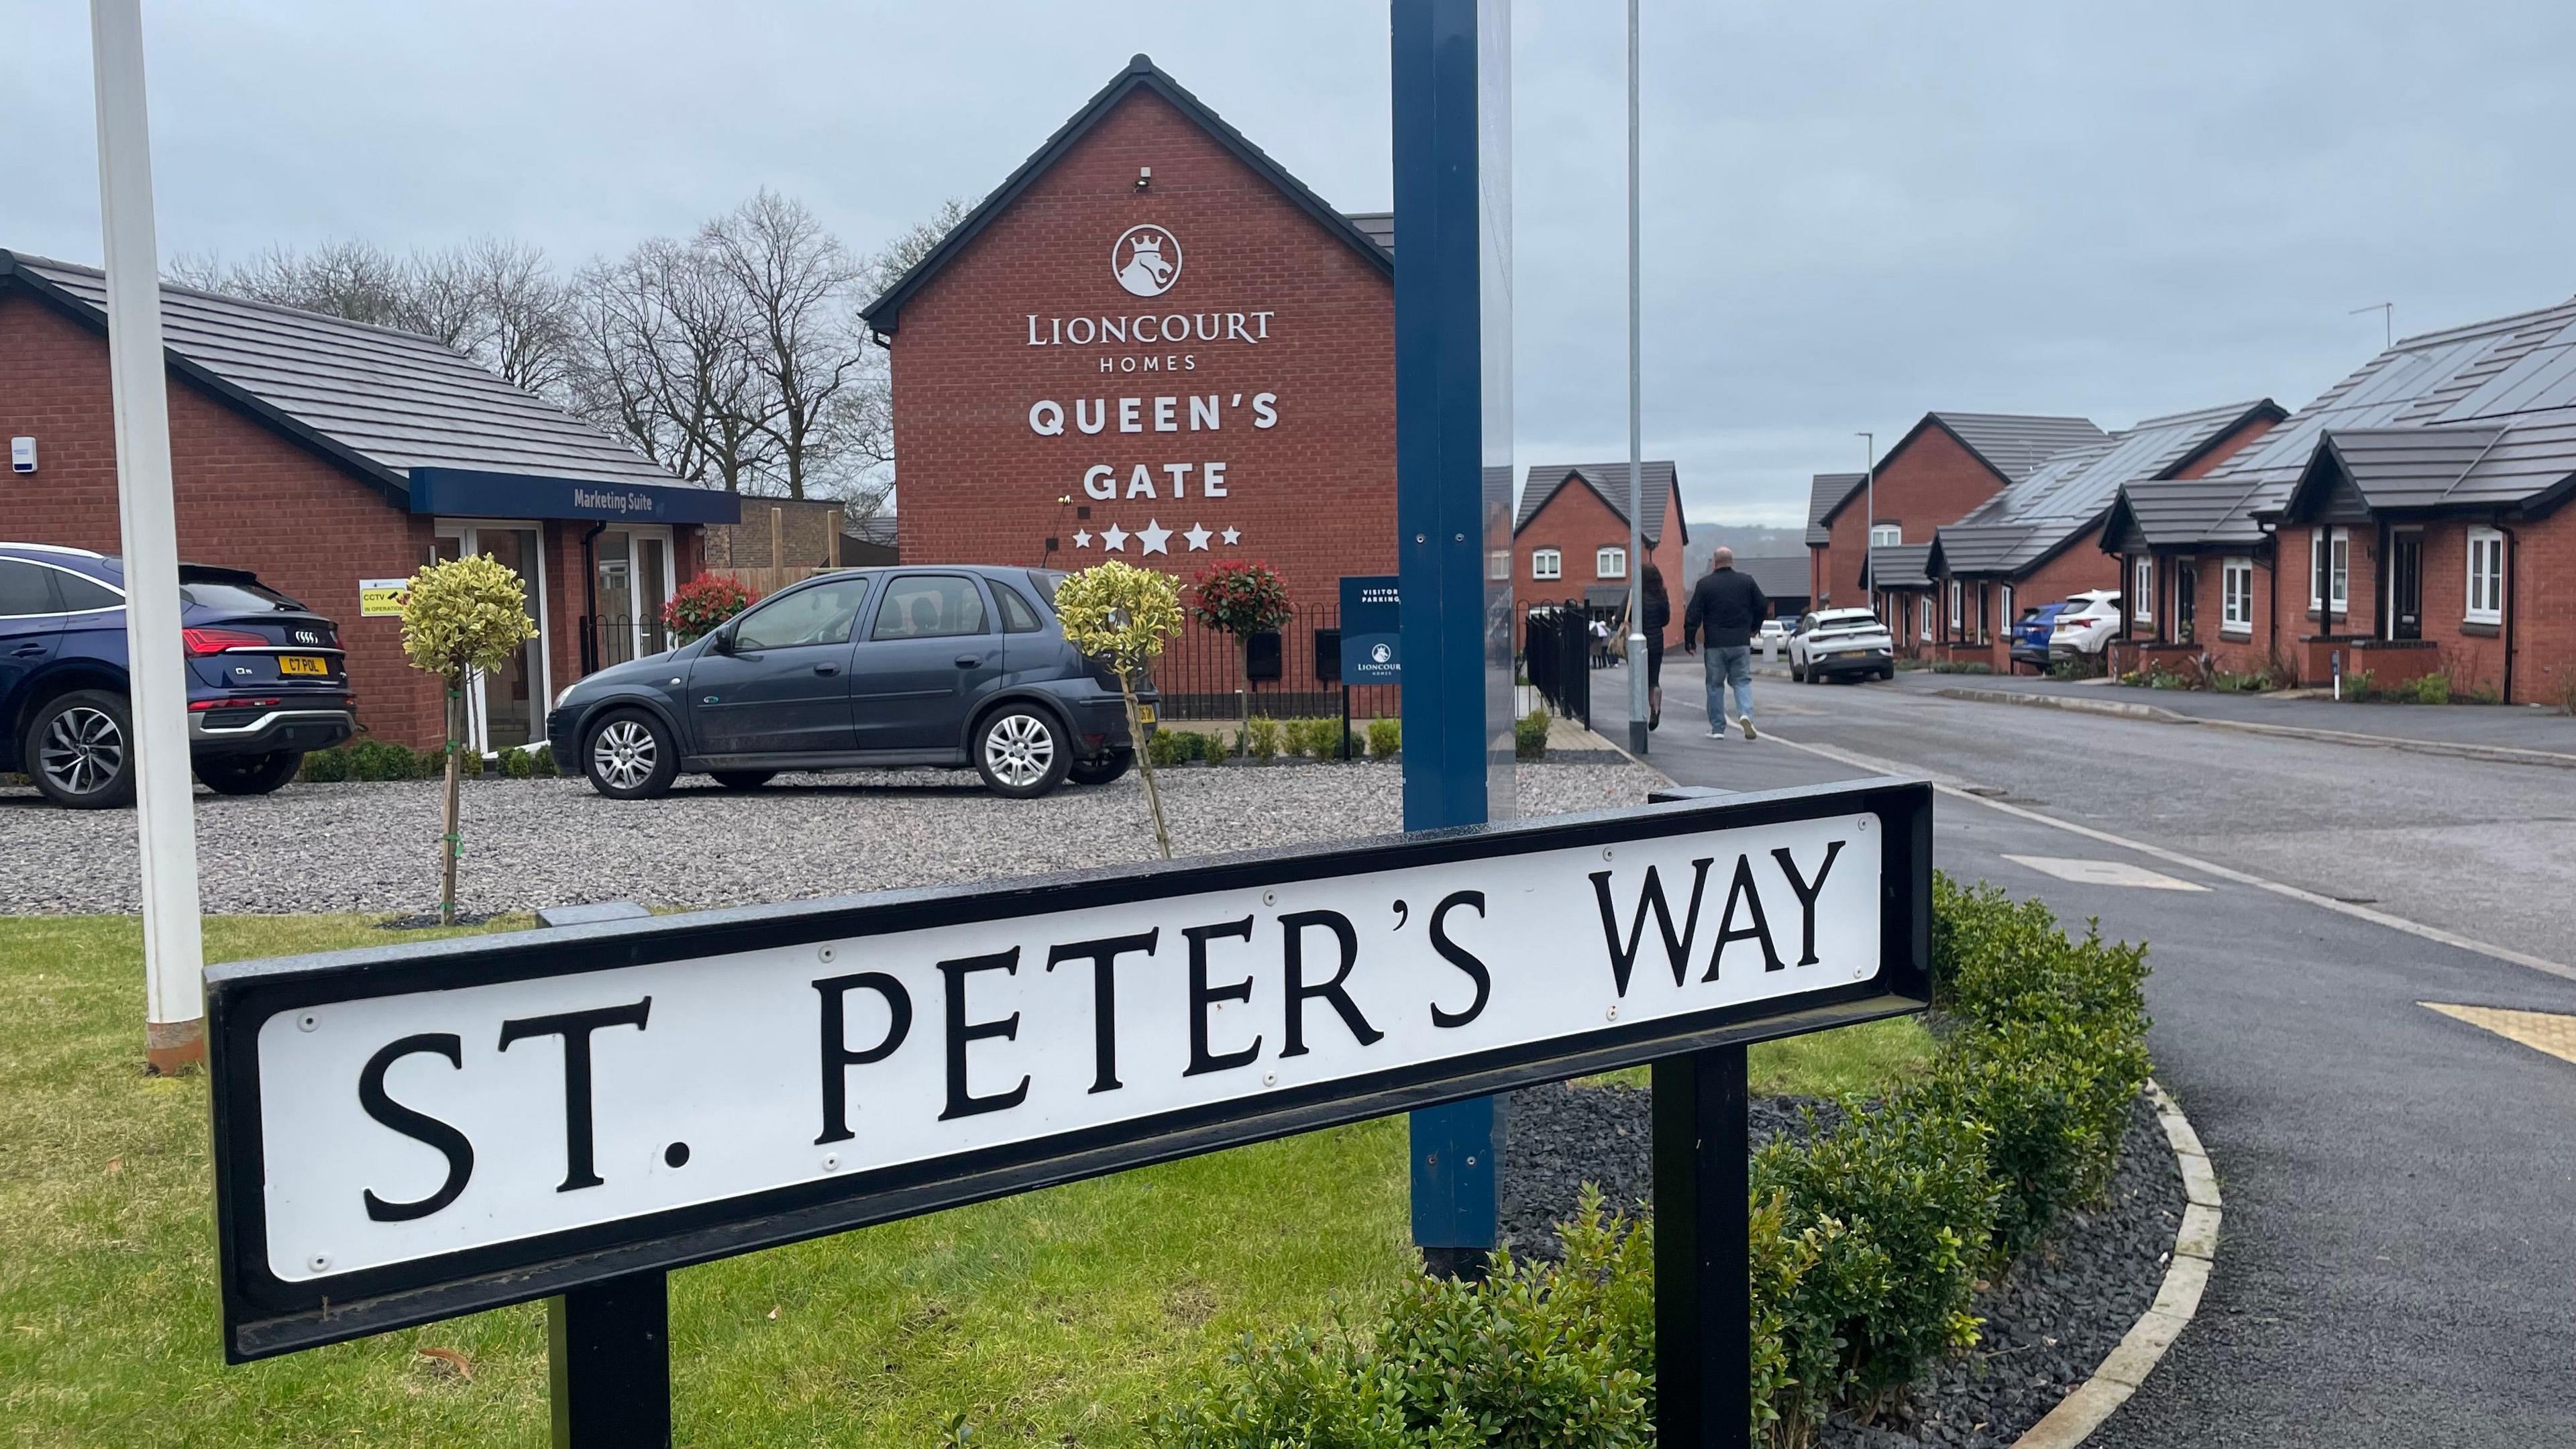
1729	666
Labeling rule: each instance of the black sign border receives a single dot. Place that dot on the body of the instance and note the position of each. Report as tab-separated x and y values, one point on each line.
265	1316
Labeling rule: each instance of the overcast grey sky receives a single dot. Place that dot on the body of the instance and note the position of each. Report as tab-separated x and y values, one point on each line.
1854	212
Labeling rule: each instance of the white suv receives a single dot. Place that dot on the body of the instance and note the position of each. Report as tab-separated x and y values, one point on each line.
2087	623
1847	642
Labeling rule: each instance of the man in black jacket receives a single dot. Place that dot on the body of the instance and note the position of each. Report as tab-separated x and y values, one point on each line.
1729	607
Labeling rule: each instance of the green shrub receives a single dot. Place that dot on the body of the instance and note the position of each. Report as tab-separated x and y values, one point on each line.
382	760
1529	735
1317	738
1386	736
1163	747
327	766
2433	688
2054	1098
1262	736
2358	686
516	765
541	763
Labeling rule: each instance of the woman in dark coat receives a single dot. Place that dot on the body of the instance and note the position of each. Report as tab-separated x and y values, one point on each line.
1659	616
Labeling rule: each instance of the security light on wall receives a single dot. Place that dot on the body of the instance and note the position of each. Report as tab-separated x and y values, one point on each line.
1144	178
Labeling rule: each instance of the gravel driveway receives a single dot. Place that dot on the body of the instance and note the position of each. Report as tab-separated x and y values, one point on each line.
530	843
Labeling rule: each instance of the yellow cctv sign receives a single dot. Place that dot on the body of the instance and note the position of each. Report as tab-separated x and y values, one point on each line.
382	598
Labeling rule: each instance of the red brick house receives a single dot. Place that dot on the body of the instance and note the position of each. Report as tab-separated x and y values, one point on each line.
1570	537
1944	467
325	455
2411	521
2037	541
1151	343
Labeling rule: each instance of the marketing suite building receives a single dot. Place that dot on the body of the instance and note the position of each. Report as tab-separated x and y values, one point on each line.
326	455
1150	343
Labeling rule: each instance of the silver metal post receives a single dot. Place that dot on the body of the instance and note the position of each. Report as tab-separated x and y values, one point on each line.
1637	662
1869	505
173	952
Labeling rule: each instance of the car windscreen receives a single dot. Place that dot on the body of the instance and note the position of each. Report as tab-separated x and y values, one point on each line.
236	596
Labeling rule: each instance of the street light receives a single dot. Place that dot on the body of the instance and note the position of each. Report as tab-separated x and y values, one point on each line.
1639	711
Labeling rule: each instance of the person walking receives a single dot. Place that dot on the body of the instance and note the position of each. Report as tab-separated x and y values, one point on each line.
1659	617
1728	607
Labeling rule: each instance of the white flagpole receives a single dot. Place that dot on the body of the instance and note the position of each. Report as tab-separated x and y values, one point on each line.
173	951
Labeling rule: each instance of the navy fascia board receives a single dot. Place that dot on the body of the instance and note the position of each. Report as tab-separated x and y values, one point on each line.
266	1318
885	314
383	479
472	493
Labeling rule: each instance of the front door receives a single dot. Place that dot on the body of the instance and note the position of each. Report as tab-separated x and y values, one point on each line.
931	651
504	707
780	682
2406	585
2186	598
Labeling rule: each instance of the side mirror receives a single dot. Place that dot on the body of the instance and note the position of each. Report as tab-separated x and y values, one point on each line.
722	643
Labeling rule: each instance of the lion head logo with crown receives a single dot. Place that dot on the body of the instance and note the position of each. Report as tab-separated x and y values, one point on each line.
1146	260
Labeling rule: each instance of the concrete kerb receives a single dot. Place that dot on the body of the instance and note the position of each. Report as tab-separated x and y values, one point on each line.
2195	1251
2501	754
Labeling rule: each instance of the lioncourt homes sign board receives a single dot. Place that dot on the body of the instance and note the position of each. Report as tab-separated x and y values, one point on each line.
410	1133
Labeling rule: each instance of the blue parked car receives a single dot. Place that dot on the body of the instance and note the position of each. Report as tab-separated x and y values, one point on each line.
953	666
267	680
2032	632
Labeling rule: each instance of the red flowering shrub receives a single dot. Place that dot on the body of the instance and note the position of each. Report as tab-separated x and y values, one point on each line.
1241	599
704	603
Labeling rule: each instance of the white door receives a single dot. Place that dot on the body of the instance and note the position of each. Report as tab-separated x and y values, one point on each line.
505	708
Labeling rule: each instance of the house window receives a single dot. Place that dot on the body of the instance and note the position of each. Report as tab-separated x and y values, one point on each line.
1954	607
2005	613
1923	617
2330	569
2486	576
1886	535
2142	588
1610	563
2236	596
1546	563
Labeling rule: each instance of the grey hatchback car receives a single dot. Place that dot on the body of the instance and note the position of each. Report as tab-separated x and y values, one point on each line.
954	666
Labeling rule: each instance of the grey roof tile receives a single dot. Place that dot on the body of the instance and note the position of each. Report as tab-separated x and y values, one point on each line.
1655	481
392	401
2017	443
1898	566
1781	577
2038	517
1827	492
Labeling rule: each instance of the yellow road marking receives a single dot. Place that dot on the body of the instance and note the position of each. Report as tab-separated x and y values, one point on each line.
2544	1031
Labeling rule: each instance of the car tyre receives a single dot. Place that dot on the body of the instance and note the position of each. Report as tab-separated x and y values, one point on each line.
79	750
1102	770
1796	674
249	774
744	779
630	755
1021	751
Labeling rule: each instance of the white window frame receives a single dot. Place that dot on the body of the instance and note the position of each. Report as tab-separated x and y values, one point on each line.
2005	612
468	533
1546	564
1954	607
1610	561
1923	622
2236	596
2142	588
2485	570
2330	553
1887	535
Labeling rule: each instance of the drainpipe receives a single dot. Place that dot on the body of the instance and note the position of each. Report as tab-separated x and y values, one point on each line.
2512	580
590	600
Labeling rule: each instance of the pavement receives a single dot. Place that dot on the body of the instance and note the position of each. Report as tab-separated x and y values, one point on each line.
2509	727
2395	1265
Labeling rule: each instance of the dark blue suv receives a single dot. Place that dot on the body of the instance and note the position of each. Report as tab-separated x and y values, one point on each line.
266	677
953	665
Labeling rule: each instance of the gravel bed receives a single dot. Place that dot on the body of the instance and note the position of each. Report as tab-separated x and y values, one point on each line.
373	847
2048	1323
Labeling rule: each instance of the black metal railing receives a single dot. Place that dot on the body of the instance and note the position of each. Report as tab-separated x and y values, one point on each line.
1203	673
1558	651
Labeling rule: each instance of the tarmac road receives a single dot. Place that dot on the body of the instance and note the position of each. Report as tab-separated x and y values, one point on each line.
2397	1265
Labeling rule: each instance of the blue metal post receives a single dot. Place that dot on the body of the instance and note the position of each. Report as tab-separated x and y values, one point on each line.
1440	504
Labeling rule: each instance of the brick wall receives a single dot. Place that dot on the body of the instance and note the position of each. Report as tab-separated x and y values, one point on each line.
1313	494
1577	524
246	498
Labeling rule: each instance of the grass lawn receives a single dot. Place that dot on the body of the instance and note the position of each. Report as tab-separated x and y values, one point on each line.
1053	1318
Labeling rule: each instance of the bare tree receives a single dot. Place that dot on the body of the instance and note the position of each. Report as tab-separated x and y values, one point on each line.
793	279
669	360
905	252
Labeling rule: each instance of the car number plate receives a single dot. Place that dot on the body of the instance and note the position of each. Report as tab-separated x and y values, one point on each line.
1145	712
302	664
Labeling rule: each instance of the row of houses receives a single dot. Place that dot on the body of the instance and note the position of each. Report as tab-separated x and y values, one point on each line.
2410	521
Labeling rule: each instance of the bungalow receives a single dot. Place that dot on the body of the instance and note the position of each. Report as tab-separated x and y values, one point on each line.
2410	522
1945	466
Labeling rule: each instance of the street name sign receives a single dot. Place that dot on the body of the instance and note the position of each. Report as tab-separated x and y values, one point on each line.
409	1133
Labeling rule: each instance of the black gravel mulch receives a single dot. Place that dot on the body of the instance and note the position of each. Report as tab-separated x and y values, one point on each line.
2048	1323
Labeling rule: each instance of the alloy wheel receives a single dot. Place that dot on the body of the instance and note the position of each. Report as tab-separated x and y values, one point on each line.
83	751
1021	749
623	753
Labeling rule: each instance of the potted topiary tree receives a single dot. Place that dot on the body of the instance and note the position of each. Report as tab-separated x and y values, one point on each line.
465	615
1123	614
1241	599
702	604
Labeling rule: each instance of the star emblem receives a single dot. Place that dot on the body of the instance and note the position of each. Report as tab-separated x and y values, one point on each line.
1154	537
1232	536
1198	537
1114	539
1082	538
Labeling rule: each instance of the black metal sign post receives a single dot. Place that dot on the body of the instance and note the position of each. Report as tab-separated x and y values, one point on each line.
408	1134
